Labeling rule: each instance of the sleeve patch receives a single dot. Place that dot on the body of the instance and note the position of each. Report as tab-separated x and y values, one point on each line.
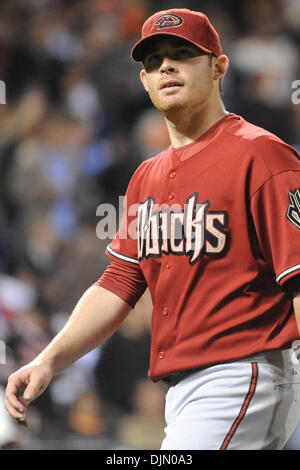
293	212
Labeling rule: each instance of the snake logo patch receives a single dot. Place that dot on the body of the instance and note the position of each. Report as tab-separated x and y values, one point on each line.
168	21
293	212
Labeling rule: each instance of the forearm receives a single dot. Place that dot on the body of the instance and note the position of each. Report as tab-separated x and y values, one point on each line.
95	318
296	301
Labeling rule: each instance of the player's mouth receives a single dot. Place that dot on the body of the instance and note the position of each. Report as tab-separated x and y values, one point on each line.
170	85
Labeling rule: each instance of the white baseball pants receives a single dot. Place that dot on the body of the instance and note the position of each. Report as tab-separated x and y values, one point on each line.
249	404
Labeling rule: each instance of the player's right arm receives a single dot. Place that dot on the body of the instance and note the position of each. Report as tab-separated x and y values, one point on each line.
97	315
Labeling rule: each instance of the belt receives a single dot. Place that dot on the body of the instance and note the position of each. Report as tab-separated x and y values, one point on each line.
175	378
267	356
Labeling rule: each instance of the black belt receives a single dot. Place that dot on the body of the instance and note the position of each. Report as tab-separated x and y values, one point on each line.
177	377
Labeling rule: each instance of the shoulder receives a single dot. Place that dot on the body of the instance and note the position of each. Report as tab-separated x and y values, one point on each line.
265	147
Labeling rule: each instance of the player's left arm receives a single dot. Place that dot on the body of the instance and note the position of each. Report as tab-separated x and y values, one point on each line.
292	288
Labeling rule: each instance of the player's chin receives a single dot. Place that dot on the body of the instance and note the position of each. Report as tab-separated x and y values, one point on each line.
170	103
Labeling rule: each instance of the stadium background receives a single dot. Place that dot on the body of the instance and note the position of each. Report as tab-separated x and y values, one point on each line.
75	125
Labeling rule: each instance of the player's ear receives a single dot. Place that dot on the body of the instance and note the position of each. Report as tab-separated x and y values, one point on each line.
221	65
144	79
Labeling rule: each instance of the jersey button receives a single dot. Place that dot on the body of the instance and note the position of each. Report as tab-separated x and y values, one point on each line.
161	355
171	196
172	174
165	311
168	266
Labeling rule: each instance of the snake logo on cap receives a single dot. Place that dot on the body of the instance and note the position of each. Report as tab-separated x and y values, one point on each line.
168	21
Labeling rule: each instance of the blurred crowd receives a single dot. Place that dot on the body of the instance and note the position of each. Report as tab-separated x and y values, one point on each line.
76	124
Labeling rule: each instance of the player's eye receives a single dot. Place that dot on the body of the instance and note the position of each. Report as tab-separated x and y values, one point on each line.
183	52
152	61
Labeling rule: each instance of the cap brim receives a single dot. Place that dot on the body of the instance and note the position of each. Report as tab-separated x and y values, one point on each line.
138	50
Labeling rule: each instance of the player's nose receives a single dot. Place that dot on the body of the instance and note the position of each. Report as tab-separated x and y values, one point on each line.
168	65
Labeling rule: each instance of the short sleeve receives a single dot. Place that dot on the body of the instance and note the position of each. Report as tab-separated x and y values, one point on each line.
124	280
123	247
275	209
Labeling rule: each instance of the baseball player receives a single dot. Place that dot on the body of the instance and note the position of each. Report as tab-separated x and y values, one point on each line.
212	226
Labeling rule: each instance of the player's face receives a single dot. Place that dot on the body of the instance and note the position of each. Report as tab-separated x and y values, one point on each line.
177	74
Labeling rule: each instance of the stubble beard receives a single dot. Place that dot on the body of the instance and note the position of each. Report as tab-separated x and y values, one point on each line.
169	108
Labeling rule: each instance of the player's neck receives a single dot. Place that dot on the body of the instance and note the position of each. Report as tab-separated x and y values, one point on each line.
185	126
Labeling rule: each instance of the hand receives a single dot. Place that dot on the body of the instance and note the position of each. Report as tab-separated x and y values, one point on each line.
24	386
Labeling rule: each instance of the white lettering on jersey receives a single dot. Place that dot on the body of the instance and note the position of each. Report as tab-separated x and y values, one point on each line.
193	231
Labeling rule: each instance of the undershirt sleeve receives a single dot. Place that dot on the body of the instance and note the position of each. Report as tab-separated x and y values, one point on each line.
125	280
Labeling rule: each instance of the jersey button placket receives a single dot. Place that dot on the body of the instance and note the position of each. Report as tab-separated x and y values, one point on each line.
161	355
165	311
172	175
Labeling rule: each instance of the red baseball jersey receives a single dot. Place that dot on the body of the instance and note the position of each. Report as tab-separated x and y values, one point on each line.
213	228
